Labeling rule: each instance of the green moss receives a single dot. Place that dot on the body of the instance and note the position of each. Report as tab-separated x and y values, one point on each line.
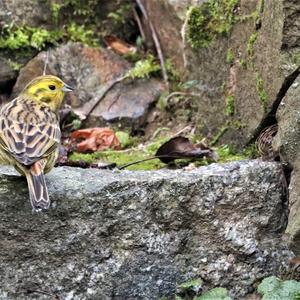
296	58
219	134
243	63
229	153
262	93
14	65
55	11
250	45
144	68
118	16
230	56
120	158
80	33
229	109
209	20
126	156
26	37
14	38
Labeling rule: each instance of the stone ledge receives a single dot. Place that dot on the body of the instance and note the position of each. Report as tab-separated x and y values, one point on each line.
135	235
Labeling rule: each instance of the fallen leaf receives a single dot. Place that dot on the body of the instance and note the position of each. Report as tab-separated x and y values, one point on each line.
181	147
95	139
118	45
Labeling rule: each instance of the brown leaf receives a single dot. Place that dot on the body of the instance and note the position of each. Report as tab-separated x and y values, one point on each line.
118	45
95	139
181	147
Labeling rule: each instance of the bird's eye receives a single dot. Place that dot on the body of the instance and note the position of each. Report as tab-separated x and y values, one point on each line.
52	87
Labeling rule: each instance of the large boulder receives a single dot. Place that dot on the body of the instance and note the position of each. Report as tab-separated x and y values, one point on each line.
136	235
7	76
91	71
241	75
287	144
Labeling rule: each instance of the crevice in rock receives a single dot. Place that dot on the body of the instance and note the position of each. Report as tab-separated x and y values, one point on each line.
270	118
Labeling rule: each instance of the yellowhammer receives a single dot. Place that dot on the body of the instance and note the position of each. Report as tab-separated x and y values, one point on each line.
30	134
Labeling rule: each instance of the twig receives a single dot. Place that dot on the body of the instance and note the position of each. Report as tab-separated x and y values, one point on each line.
114	102
109	86
139	23
183	36
156	42
161	156
46	63
174	94
83	164
30	291
182	130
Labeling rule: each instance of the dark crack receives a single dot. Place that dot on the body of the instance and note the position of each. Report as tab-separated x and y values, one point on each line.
270	118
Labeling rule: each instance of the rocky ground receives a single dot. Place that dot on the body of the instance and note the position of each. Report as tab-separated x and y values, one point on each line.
131	235
138	235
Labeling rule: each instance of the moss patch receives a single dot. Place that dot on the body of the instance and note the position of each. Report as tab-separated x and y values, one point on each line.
230	56
120	158
209	20
250	45
228	153
262	93
229	109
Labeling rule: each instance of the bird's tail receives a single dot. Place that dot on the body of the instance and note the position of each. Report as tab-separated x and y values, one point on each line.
38	191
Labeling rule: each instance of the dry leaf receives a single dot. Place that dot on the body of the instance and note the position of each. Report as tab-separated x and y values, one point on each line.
118	45
181	147
95	139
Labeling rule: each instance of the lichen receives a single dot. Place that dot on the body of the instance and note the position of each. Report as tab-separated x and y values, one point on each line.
144	68
262	93
26	37
250	45
229	109
210	20
230	56
219	134
120	158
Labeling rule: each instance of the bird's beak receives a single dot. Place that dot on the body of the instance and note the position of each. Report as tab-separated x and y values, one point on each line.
67	88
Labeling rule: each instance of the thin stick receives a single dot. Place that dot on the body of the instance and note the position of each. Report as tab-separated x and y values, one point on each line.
109	86
83	164
183	36
29	291
139	23
163	156
46	63
174	94
156	42
145	159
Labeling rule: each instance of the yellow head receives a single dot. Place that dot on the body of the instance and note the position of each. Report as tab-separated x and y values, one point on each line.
47	89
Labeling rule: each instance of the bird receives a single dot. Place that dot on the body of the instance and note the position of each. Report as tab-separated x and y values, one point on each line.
264	143
30	134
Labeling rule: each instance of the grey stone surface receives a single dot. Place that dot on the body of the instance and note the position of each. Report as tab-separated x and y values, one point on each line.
287	143
7	74
262	56
136	235
90	71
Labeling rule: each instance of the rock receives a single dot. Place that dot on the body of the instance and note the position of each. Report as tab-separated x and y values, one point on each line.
30	12
287	144
136	235
240	76
90	70
7	75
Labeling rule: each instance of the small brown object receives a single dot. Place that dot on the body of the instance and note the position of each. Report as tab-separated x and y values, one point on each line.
118	45
95	139
181	147
264	143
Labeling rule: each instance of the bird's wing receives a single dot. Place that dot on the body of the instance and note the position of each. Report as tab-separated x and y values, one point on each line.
27	132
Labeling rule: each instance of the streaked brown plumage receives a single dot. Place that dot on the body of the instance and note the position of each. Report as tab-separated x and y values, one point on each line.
264	142
30	134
